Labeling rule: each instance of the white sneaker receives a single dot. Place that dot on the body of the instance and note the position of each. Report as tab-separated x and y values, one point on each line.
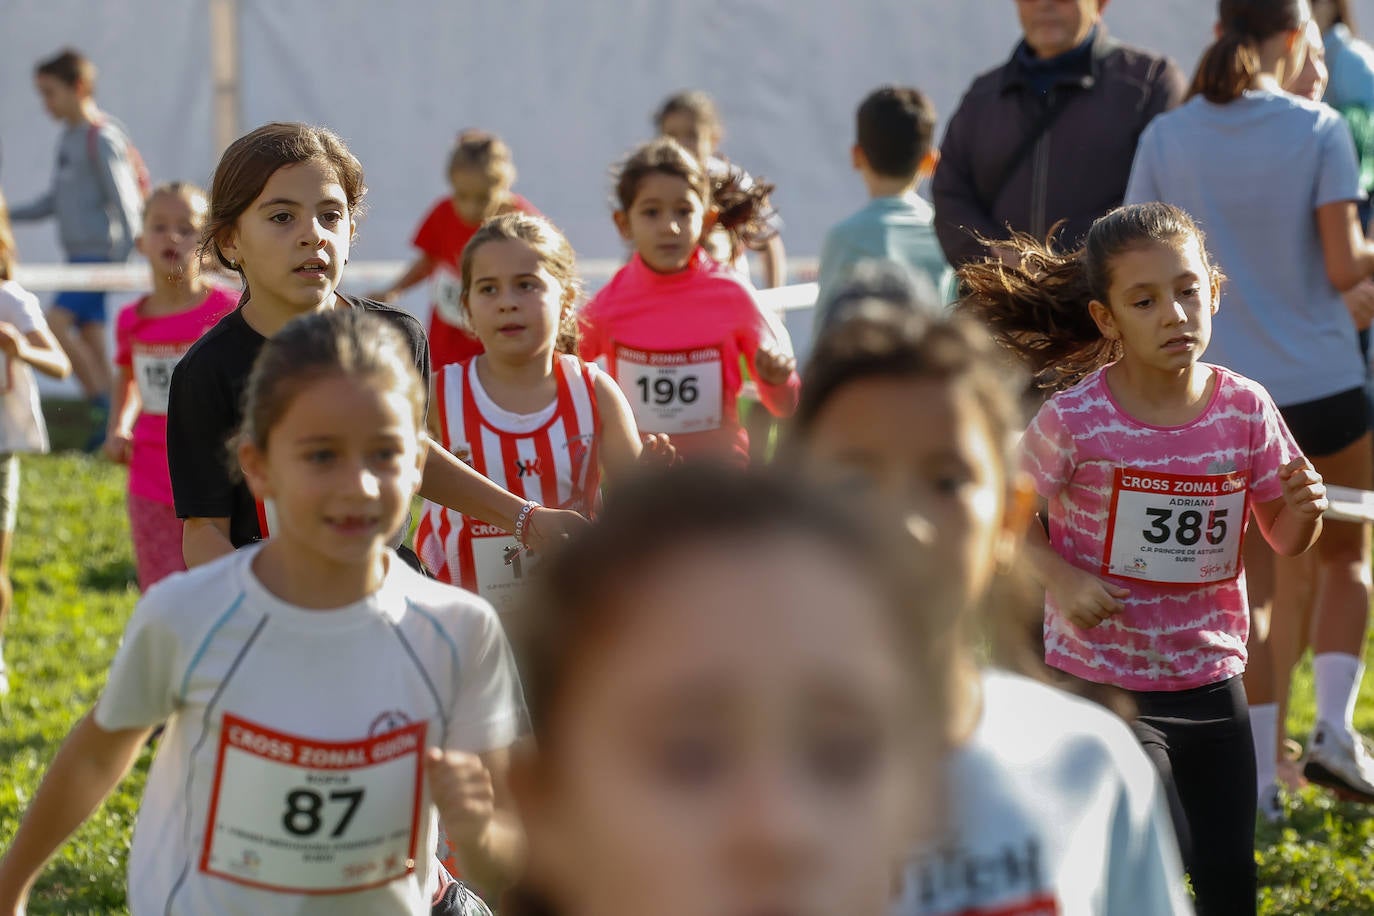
1340	759
1270	808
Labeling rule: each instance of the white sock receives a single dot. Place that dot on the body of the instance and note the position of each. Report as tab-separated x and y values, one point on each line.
1264	729
1337	676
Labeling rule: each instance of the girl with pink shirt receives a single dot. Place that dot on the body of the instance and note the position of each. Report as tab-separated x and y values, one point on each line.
672	325
1149	466
151	336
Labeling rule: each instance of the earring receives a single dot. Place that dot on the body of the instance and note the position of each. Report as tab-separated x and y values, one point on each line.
233	265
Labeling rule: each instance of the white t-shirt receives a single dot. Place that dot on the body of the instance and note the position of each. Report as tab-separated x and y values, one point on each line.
21	416
289	779
1055	811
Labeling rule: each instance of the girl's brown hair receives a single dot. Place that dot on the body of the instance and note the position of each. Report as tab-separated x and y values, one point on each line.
340	341
252	159
9	254
692	102
741	204
577	597
1230	64
484	152
1038	308
555	255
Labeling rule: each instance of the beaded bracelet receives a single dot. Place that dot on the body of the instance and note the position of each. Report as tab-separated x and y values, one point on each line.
522	522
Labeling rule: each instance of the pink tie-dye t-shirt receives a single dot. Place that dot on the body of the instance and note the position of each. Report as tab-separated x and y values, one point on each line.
1079	448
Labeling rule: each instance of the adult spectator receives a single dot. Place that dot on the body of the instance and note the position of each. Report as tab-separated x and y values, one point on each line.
1050	134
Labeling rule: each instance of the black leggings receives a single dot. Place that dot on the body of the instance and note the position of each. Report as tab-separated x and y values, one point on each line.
1199	740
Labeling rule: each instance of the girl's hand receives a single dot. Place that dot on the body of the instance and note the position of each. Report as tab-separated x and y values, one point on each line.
10	340
118	447
772	367
658	451
546	527
462	790
1086	600
1303	490
1359	301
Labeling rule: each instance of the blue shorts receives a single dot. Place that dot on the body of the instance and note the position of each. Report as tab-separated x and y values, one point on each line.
85	306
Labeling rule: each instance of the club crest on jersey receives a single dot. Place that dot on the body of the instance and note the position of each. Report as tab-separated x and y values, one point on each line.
388	722
579	448
530	468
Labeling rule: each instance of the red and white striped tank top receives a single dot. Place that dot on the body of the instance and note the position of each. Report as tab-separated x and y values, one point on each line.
555	464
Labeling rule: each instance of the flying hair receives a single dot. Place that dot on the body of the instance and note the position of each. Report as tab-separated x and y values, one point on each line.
1038	307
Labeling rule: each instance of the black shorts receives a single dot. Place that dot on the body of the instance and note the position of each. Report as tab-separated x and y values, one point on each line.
1327	425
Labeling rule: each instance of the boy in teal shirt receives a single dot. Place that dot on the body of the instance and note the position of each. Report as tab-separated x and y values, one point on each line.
896	127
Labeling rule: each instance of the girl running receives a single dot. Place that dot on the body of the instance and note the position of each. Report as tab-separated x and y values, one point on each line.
691	118
320	697
283	208
527	413
151	337
26	343
672	325
1151	465
912	413
706	746
1276	181
481	173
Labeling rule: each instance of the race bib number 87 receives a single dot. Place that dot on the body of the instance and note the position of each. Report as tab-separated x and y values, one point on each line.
1175	528
296	815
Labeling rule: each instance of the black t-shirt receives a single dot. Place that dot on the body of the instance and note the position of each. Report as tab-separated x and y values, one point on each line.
205	408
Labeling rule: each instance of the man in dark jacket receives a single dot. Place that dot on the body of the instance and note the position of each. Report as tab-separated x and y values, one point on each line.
1050	134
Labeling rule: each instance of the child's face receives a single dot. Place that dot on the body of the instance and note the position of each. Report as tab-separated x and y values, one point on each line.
664	223
514	303
741	743
692	134
292	241
476	194
62	102
1162	299
342	464
919	452
171	234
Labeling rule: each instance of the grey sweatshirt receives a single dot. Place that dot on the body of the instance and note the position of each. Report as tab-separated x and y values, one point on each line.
94	194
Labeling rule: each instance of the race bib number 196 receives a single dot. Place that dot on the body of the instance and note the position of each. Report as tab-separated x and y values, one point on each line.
674	393
1174	528
295	815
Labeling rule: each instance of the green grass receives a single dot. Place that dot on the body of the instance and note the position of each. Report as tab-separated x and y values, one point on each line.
74	590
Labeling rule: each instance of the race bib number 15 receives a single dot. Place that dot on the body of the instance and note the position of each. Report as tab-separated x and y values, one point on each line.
1175	528
296	815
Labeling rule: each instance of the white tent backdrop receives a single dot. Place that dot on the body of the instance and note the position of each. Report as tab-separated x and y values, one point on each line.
570	85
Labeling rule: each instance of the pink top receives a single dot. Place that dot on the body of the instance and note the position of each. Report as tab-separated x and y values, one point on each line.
674	342
150	348
1164	509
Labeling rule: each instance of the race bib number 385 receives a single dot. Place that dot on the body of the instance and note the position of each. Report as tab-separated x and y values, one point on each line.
295	815
672	392
1174	528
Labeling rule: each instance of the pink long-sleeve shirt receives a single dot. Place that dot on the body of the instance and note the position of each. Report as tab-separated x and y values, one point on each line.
675	344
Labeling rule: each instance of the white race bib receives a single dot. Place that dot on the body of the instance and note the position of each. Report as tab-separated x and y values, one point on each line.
680	391
498	581
153	367
300	816
448	295
1176	528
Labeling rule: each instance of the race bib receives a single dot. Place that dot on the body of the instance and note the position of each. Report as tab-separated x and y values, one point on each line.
153	367
674	392
498	581
1175	528
448	296
300	816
